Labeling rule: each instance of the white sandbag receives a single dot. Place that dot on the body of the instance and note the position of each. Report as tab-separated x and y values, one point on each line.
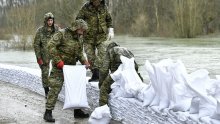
117	87
75	86
180	99
205	120
216	95
149	92
133	83
140	94
149	95
156	86
101	115
194	107
214	90
198	80
164	78
155	101
213	121
198	83
117	74
207	106
216	114
127	63
119	91
126	80
163	64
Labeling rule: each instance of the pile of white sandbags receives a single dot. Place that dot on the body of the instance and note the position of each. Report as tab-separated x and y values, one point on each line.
22	76
193	95
172	97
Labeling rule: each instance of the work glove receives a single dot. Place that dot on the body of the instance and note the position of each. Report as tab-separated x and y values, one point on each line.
86	63
110	33
40	61
60	64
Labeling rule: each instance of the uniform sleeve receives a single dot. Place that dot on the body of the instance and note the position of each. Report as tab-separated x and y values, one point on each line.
81	14
81	56
108	19
52	46
37	45
104	70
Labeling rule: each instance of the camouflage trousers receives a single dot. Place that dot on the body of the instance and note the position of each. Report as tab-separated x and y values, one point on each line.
105	89
93	58
55	82
44	75
95	49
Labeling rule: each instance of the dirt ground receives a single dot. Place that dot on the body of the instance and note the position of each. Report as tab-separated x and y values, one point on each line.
22	106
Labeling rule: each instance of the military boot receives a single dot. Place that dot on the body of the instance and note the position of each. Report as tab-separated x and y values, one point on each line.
78	113
48	116
95	75
46	90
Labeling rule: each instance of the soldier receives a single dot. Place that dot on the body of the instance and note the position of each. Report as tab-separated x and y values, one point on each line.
111	62
41	39
64	47
99	20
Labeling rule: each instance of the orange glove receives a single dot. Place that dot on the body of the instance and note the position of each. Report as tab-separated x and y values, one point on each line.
60	64
87	64
40	61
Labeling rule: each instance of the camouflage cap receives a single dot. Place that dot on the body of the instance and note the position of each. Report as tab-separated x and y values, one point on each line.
79	24
48	16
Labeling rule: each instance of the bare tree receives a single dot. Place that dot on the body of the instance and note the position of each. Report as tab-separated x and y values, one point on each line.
180	18
21	22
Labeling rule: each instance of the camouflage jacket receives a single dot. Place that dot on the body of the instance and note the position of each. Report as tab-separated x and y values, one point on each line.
41	39
112	60
66	45
99	20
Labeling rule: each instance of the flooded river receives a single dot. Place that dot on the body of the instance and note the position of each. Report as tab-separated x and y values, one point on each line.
198	53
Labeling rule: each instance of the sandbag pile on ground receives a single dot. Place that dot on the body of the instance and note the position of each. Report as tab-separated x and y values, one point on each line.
189	95
126	110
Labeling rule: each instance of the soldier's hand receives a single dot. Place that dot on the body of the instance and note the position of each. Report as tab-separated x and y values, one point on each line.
86	63
40	61
60	64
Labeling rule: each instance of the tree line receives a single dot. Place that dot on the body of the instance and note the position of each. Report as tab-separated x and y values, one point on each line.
163	18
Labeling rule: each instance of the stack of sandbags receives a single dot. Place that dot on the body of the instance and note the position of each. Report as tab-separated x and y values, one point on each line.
126	110
167	86
127	82
189	96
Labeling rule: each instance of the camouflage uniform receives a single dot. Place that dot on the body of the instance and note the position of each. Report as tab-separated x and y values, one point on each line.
111	62
99	20
66	46
41	39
